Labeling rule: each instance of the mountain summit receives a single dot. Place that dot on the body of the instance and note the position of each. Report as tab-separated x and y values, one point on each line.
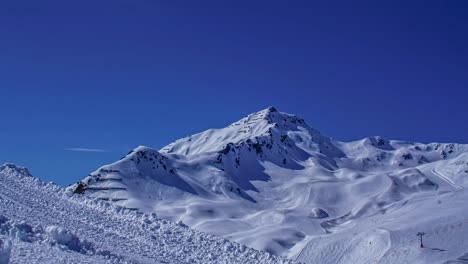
272	182
267	123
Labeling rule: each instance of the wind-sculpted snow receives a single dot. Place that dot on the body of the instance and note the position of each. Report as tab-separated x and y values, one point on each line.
272	182
42	223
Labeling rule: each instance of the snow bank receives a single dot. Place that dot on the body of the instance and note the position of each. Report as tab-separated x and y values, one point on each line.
5	250
61	236
47	225
54	235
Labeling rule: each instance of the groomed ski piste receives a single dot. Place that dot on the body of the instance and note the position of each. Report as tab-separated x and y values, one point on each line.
43	223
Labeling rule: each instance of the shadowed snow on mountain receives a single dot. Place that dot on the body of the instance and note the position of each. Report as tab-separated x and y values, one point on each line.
274	183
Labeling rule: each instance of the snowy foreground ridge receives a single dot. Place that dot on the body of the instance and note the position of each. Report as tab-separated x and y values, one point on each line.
268	182
42	223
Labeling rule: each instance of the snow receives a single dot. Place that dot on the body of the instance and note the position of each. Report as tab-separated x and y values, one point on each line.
61	236
43	223
391	237
318	213
268	181
273	183
5	250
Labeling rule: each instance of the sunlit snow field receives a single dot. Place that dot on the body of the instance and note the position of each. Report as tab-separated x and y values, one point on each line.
275	184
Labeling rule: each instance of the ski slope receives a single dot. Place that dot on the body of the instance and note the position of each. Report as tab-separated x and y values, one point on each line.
390	237
273	183
42	223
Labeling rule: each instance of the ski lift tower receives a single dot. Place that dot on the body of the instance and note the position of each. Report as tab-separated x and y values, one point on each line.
420	235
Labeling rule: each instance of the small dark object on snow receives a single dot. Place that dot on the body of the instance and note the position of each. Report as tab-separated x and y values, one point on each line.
420	235
80	188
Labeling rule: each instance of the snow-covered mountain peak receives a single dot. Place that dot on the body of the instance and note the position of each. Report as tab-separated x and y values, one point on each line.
142	150
261	126
378	142
12	169
264	120
272	182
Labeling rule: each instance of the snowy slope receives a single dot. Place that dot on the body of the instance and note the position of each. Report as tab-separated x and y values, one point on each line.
272	182
41	223
389	236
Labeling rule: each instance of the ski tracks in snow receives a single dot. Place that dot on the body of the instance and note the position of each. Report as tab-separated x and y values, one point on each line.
447	180
365	248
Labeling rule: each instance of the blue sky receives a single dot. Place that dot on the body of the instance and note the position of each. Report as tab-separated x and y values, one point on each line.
83	82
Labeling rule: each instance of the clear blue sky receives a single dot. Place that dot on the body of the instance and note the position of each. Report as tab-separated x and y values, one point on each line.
113	75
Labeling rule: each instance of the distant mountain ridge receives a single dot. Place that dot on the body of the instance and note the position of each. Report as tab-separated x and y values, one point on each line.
274	183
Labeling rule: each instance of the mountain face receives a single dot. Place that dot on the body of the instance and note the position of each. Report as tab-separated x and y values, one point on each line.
41	223
272	182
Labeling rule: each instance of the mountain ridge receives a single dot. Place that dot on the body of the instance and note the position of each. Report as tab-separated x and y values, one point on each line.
272	175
